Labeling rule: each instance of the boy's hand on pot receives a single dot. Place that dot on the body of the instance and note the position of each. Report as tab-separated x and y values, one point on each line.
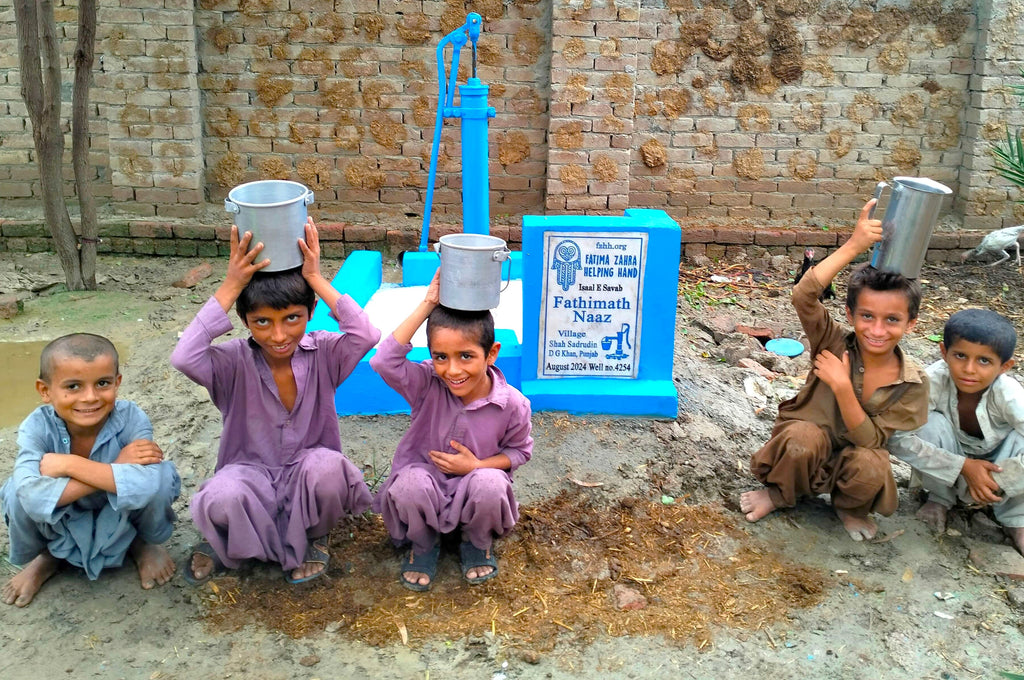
310	247
433	295
867	231
242	261
978	475
462	462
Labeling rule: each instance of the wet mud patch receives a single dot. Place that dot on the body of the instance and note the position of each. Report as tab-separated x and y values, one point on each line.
690	568
513	147
653	153
573	176
749	164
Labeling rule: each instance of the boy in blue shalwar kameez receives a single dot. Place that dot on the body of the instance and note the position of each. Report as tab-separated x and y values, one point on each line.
89	485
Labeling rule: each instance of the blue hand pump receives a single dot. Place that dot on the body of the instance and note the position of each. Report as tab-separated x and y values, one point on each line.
474	112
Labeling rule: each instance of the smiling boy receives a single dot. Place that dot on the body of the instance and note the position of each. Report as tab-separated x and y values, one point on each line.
973	444
89	485
281	482
469	431
831	437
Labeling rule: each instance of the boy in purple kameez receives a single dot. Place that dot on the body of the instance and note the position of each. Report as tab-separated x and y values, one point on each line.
281	482
469	431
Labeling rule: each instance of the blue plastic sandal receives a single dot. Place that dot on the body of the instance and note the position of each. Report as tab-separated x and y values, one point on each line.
425	563
471	556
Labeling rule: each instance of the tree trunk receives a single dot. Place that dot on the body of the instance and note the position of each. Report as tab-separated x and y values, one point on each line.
84	53
41	92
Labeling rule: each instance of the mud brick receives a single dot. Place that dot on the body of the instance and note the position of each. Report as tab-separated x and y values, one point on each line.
698	235
715	251
194	231
36	244
165	246
17	245
364	234
185	247
150	230
734	235
335	249
402	239
500	231
331	231
206	248
143	246
944	241
110	229
691	250
816	238
439	230
774	238
968	239
117	245
515	233
24	229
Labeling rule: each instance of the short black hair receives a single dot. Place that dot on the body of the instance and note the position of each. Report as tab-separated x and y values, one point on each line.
868	277
277	290
479	323
84	346
984	327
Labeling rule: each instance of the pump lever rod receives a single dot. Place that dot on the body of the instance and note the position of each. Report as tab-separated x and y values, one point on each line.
468	32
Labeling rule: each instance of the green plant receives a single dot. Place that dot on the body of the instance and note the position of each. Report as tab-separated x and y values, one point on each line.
1010	157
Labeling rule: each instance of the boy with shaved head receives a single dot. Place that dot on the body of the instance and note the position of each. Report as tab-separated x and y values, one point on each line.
89	485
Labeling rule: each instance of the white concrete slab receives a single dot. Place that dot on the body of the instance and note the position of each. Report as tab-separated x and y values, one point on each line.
390	305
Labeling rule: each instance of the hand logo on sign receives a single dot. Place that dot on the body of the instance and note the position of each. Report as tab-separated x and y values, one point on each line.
566	261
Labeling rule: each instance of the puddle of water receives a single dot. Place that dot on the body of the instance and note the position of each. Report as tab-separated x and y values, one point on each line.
19	369
19	365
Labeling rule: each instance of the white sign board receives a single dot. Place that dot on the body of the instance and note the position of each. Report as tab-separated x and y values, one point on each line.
591	304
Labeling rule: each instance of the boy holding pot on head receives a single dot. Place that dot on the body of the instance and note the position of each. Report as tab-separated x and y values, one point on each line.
469	431
281	481
831	437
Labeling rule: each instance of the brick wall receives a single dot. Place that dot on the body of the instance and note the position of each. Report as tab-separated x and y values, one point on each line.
775	112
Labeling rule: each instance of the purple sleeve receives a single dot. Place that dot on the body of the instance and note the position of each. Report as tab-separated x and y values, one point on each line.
403	376
357	337
195	355
517	443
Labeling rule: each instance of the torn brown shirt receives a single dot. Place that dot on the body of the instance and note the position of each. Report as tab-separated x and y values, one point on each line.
901	405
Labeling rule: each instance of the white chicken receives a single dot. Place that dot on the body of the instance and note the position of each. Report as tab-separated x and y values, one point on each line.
998	241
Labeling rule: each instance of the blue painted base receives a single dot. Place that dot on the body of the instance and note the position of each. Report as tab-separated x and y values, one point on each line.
652	398
652	392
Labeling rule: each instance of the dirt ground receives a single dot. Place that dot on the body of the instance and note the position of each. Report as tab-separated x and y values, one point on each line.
647	505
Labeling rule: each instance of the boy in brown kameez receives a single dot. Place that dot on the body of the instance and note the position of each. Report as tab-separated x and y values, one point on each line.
831	437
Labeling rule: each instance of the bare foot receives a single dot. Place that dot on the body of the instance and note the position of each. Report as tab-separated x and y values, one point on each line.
1017	534
859	528
933	515
202	566
756	504
155	565
24	585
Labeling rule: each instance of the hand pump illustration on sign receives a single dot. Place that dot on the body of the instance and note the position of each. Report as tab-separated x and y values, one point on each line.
593	296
